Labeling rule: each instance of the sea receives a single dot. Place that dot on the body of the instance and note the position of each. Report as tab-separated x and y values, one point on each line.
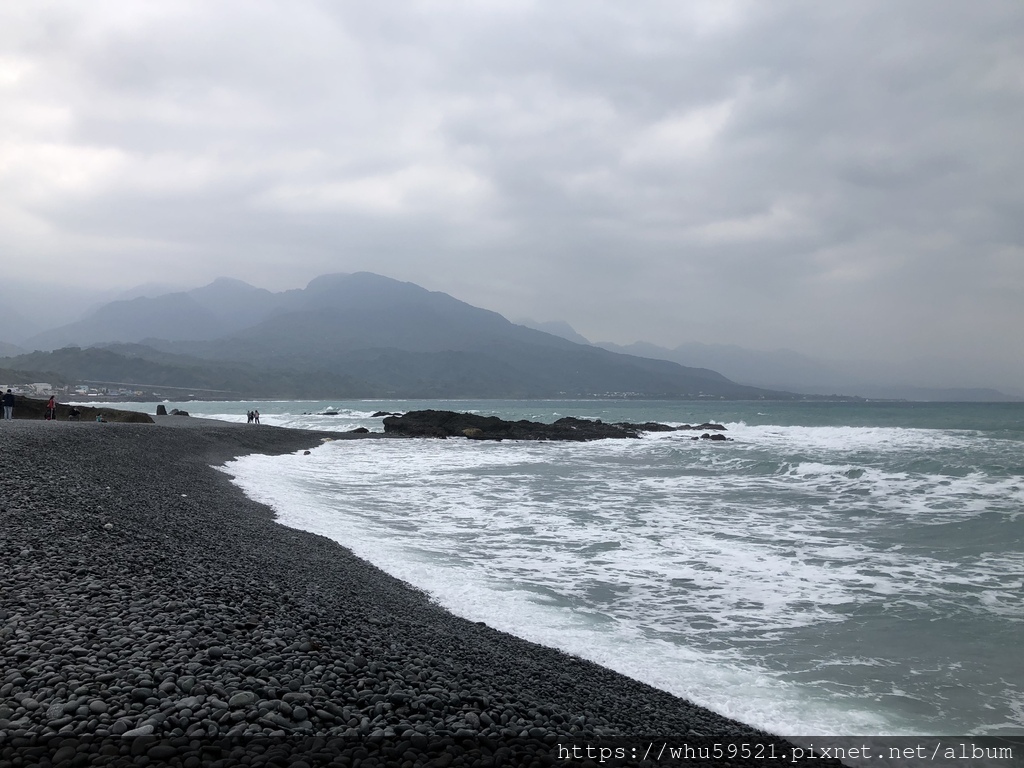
832	568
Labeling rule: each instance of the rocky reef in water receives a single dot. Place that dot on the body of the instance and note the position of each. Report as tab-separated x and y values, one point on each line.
443	424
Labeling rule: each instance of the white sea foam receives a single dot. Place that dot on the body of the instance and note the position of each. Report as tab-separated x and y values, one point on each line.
523	596
586	562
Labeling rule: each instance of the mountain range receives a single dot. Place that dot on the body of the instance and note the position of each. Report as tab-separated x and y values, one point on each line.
364	335
791	371
347	335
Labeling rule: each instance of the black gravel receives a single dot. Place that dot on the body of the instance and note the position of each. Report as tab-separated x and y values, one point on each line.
150	614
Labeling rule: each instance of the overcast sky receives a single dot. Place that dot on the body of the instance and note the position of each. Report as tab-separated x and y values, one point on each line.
838	178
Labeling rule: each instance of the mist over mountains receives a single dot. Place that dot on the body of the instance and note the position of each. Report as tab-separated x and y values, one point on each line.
364	335
788	370
347	335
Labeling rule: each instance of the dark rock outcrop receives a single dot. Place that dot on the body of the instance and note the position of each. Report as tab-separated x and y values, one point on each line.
444	424
31	408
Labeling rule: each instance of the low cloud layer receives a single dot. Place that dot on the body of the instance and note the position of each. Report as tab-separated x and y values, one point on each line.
843	179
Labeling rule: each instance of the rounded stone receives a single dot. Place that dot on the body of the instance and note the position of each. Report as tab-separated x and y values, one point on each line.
64	754
161	752
241	699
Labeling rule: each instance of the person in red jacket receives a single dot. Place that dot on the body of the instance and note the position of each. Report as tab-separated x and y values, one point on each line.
51	409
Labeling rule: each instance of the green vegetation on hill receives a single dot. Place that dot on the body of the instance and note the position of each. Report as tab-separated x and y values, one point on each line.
382	373
156	371
18	376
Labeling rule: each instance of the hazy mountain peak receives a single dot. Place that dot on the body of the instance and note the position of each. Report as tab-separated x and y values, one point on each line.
10	350
227	283
226	289
328	281
147	291
357	281
558	328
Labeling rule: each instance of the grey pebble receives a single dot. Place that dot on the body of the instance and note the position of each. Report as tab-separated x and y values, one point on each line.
242	699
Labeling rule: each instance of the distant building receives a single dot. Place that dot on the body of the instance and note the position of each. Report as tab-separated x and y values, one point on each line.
18	389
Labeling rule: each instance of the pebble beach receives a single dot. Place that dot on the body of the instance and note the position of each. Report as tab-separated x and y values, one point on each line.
151	614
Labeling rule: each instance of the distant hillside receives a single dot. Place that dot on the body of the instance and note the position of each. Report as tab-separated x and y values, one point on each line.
790	371
558	328
11	373
408	341
158	372
358	335
781	368
14	326
7	350
209	312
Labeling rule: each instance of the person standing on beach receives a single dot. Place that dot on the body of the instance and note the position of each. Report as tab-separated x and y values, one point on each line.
256	417
51	409
8	405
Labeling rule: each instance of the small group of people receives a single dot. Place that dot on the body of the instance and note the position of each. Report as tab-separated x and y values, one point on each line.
49	412
253	416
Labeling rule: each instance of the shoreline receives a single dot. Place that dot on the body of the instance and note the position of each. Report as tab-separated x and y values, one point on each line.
151	609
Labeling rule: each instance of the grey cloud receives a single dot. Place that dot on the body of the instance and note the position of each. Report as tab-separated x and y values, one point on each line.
811	175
